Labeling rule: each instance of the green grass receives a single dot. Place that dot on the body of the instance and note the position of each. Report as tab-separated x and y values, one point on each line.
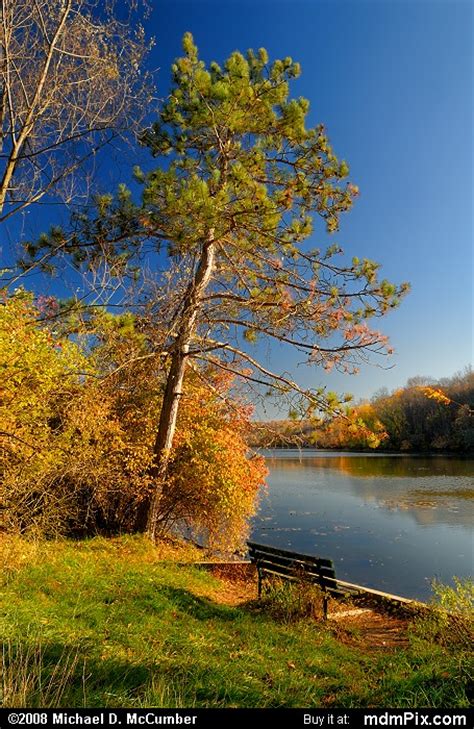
108	623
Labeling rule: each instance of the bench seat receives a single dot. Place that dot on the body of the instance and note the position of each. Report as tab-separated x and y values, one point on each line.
295	566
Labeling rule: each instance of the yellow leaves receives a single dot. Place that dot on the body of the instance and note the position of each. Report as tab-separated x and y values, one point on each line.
67	453
435	394
250	335
82	447
361	428
213	482
110	69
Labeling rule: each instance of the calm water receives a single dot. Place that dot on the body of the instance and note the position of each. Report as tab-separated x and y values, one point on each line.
388	522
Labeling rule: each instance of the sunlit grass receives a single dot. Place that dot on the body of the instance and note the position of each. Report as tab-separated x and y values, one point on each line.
108	623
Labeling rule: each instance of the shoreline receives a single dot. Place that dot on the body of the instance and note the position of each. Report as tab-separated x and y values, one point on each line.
369	451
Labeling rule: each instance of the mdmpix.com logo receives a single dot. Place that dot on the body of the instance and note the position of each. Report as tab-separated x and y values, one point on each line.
414	718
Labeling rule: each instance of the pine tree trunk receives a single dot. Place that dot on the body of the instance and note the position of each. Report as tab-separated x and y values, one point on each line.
174	383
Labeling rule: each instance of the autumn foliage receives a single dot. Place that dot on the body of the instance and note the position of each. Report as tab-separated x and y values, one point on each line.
64	453
427	415
76	434
212	484
418	417
359	429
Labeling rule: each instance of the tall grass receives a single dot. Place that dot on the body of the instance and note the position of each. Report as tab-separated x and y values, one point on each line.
28	678
450	619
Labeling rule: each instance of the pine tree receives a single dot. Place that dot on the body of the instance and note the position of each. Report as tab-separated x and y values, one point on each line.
235	202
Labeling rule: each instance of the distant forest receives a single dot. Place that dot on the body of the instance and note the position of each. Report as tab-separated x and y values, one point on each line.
425	415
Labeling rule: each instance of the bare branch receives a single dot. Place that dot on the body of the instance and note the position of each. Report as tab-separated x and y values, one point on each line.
70	80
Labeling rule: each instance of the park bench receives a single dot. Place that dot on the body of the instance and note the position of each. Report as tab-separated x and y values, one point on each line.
294	566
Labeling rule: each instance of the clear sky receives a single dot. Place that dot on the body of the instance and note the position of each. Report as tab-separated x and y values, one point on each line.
392	82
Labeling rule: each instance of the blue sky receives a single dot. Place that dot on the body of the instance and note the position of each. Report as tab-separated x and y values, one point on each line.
392	82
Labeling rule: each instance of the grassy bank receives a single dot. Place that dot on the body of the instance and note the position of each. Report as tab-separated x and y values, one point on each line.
118	623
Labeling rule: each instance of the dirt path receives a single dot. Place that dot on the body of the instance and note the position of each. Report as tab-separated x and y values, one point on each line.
364	627
370	629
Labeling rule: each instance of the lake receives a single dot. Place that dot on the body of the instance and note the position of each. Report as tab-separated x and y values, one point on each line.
392	522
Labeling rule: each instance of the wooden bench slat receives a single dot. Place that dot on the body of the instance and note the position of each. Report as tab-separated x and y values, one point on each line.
295	566
293	563
253	546
292	569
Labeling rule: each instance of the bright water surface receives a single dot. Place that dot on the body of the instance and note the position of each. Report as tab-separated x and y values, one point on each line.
392	522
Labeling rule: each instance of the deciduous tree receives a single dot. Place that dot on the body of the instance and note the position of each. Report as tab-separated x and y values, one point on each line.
71	79
77	430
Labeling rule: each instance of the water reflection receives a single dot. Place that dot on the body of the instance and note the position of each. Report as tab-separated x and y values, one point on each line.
391	522
436	489
374	464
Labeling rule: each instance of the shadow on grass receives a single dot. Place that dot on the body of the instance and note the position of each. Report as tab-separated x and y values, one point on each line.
34	675
201	608
60	676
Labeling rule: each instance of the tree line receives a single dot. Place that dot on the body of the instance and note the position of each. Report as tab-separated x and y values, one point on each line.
424	416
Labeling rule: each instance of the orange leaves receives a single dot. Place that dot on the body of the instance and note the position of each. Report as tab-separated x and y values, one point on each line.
213	482
436	394
68	462
363	335
80	443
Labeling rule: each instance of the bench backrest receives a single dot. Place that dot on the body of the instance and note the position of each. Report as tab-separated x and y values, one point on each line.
291	564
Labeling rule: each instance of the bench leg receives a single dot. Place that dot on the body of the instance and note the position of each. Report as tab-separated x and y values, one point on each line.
259	579
325	605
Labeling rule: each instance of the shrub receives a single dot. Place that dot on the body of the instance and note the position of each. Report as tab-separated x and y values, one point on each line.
64	457
450	620
289	601
77	425
214	481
